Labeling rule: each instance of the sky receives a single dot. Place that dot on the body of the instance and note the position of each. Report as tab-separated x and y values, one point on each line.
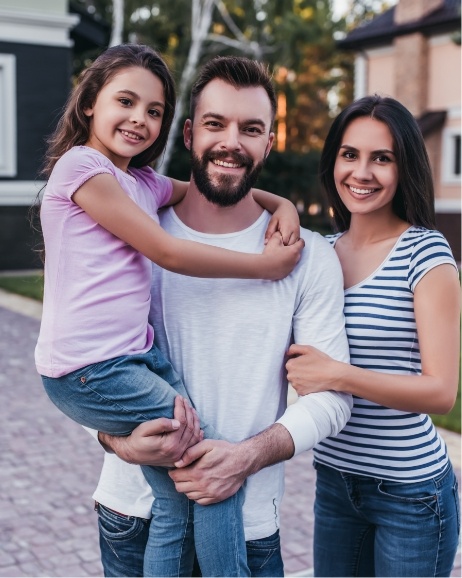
341	6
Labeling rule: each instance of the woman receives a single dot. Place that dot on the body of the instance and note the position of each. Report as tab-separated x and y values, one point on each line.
386	497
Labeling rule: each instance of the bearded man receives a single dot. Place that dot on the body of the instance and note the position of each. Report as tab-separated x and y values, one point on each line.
227	338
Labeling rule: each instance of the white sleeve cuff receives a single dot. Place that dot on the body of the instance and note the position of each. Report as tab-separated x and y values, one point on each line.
316	416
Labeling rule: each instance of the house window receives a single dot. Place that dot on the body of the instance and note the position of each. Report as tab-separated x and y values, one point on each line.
8	115
457	155
451	155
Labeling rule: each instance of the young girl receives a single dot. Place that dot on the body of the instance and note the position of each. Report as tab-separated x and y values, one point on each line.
386	495
95	349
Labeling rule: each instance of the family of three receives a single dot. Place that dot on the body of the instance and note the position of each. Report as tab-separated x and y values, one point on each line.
216	297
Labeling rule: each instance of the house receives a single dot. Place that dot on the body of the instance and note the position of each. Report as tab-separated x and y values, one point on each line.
412	52
37	43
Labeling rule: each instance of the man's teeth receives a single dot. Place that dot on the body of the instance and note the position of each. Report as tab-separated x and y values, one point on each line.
225	164
130	134
361	191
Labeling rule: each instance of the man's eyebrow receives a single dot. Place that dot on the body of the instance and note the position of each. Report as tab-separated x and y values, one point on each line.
217	116
136	96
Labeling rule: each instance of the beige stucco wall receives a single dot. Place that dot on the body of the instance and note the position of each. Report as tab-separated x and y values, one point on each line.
381	72
444	73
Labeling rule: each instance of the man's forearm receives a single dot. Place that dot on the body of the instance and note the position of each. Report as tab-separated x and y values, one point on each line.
271	446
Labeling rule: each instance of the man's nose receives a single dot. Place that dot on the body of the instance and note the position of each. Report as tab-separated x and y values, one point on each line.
231	140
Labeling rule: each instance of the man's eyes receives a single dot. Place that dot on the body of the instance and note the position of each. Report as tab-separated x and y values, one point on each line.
253	130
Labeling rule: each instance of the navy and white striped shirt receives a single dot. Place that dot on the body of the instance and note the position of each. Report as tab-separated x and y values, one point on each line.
380	323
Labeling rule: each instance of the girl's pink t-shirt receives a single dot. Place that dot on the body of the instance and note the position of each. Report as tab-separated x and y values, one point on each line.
97	287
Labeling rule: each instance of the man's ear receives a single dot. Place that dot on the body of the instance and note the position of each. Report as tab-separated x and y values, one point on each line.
270	144
187	133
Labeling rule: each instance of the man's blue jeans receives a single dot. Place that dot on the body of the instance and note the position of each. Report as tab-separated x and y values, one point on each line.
123	541
372	527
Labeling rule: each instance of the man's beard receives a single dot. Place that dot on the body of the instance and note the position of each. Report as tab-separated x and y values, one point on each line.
229	190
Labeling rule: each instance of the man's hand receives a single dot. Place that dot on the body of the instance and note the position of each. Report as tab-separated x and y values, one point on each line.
214	470
211	471
159	442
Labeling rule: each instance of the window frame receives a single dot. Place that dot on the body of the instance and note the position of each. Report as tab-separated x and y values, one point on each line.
8	124
449	176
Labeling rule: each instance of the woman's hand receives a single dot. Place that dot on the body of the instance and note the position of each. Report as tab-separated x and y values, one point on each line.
311	371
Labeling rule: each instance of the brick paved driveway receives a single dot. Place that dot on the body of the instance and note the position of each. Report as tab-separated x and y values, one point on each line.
49	467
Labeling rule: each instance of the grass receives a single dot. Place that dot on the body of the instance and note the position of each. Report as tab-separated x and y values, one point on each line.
25	285
32	286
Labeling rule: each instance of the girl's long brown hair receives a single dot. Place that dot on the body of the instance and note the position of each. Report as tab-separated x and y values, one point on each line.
73	128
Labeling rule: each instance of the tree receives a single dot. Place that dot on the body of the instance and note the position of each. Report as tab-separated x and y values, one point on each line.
117	22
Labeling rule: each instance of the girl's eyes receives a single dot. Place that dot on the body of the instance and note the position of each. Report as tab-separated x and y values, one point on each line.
152	111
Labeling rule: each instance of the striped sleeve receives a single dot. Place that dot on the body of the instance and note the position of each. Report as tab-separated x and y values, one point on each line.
428	252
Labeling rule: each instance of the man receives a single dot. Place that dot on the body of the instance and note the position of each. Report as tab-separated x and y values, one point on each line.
228	337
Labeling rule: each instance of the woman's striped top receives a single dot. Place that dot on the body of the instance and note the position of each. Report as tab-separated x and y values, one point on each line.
379	314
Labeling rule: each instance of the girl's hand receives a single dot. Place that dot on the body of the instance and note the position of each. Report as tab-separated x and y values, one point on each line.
311	371
281	258
285	220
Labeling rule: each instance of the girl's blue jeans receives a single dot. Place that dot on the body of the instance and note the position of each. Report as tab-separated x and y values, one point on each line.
115	396
367	526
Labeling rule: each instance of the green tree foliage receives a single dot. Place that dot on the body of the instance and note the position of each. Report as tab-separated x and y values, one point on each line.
297	40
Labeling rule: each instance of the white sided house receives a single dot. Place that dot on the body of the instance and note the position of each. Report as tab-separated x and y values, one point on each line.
37	43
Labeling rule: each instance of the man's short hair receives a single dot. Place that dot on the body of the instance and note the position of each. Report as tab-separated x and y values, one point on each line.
238	71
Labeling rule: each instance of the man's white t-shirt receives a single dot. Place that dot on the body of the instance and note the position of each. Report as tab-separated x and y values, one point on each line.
227	338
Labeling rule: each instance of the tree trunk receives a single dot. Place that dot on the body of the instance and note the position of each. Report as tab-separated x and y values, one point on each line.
117	22
201	19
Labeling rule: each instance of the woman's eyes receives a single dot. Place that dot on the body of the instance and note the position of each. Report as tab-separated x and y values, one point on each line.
351	156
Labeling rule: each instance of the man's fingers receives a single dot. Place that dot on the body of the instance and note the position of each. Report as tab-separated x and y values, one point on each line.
179	410
192	454
157	426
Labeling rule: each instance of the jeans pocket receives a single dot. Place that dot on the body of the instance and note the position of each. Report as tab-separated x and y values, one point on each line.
114	526
264	556
87	372
415	496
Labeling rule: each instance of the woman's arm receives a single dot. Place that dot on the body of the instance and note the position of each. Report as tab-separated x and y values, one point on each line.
107	203
437	312
285	217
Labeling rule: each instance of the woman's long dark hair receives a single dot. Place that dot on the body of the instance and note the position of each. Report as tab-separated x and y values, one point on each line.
414	198
73	128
